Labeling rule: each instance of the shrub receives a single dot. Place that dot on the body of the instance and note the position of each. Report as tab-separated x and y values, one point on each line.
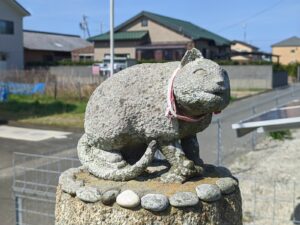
281	135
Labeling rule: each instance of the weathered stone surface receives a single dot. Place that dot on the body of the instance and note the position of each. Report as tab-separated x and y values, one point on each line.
71	210
109	197
128	199
227	185
142	91
208	192
88	194
68	182
155	202
184	199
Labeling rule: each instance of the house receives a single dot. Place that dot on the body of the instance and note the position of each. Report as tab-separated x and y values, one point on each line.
11	34
288	50
47	48
85	54
241	51
149	36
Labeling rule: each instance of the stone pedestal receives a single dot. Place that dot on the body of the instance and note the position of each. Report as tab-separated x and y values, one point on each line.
222	209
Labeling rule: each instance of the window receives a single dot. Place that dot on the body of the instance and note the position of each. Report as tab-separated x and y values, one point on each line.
168	55
86	58
144	22
2	57
204	52
6	27
48	58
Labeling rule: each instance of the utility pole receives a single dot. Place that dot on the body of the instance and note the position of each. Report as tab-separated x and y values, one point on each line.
111	37
245	32
84	26
101	27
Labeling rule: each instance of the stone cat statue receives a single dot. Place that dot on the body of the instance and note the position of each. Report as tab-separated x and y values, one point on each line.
126	120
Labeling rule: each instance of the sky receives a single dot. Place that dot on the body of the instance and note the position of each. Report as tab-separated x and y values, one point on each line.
258	22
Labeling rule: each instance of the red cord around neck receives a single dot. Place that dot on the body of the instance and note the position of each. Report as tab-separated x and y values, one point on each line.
171	111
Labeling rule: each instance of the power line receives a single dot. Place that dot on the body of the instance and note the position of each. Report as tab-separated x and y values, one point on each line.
84	26
252	16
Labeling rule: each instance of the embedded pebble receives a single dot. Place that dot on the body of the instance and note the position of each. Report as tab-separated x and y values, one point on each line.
208	192
109	197
68	182
88	194
184	199
128	199
71	186
227	185
155	202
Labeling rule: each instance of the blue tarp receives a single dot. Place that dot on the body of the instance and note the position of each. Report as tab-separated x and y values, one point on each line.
24	89
3	93
20	89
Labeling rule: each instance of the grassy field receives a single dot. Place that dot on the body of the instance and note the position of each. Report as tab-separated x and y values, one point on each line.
43	110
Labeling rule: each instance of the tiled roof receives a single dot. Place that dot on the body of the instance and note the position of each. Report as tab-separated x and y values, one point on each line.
292	41
36	40
129	35
180	26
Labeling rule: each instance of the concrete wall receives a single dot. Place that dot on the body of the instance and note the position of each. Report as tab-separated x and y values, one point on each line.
287	54
254	77
12	44
71	70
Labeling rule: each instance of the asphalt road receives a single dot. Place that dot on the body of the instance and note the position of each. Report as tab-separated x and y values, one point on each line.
208	143
7	148
240	110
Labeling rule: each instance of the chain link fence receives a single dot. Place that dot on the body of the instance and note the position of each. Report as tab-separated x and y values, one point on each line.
34	186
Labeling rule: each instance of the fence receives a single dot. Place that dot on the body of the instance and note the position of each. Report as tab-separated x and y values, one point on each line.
60	85
269	202
264	202
34	186
219	137
36	177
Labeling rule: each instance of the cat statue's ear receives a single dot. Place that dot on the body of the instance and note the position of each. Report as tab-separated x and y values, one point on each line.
190	56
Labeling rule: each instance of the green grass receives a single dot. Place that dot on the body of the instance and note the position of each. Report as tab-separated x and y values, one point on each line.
43	110
281	135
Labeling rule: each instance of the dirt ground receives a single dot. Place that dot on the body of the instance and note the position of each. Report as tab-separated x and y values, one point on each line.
270	181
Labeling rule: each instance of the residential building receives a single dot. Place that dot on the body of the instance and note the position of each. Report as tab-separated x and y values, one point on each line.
11	34
47	48
288	50
85	54
244	52
149	36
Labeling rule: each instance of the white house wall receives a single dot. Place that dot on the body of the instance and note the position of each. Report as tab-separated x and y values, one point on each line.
12	45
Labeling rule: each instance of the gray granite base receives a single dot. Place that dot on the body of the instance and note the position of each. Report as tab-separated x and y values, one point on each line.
78	208
71	210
